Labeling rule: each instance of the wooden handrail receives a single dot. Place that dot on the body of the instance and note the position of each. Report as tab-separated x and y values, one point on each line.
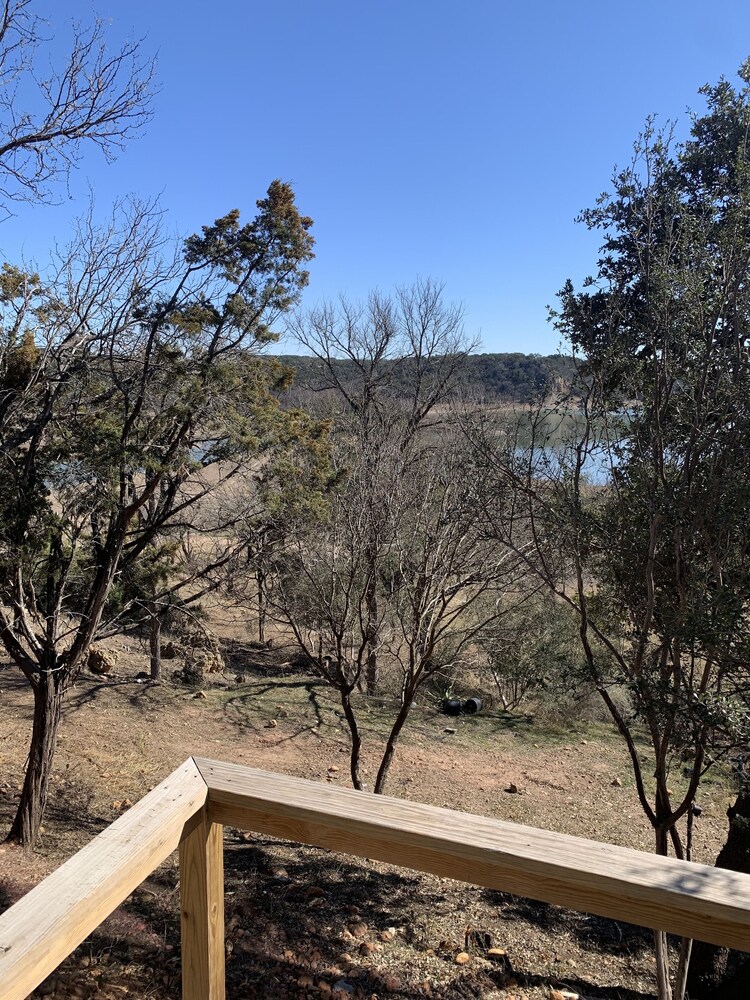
190	806
51	920
698	901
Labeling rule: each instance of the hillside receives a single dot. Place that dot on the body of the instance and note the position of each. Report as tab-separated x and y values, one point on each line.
507	377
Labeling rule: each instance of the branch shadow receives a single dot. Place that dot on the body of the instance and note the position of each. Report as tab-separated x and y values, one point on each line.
238	708
284	934
613	937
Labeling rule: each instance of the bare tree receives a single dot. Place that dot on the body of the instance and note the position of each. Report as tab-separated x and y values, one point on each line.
439	582
385	366
48	112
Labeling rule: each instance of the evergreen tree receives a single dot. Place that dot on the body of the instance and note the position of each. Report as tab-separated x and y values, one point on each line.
139	405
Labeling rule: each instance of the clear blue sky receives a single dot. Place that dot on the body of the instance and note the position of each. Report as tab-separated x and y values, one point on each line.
434	138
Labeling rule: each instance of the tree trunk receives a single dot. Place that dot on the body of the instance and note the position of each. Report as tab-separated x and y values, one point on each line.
351	719
663	986
372	672
154	642
260	580
683	968
714	972
48	695
390	746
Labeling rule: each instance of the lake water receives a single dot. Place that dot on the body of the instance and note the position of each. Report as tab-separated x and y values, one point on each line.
550	461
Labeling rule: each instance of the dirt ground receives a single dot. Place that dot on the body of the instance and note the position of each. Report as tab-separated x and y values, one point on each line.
309	923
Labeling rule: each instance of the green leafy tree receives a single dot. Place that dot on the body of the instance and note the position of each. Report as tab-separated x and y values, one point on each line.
145	405
290	493
640	523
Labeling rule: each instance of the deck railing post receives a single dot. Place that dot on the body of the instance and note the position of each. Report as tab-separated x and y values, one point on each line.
202	909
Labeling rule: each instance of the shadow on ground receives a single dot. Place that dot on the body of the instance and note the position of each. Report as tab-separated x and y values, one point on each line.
298	919
591	932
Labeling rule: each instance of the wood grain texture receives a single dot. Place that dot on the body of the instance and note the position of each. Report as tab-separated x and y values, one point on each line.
709	904
39	931
202	911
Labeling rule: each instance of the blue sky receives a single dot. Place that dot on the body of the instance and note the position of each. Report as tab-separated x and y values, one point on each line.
456	141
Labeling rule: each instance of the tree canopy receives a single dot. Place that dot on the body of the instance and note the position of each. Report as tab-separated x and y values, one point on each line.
654	556
133	402
51	107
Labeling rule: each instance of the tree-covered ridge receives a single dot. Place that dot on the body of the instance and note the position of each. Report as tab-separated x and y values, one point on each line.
512	377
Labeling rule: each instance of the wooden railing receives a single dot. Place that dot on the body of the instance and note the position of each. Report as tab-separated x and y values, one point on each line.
188	810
